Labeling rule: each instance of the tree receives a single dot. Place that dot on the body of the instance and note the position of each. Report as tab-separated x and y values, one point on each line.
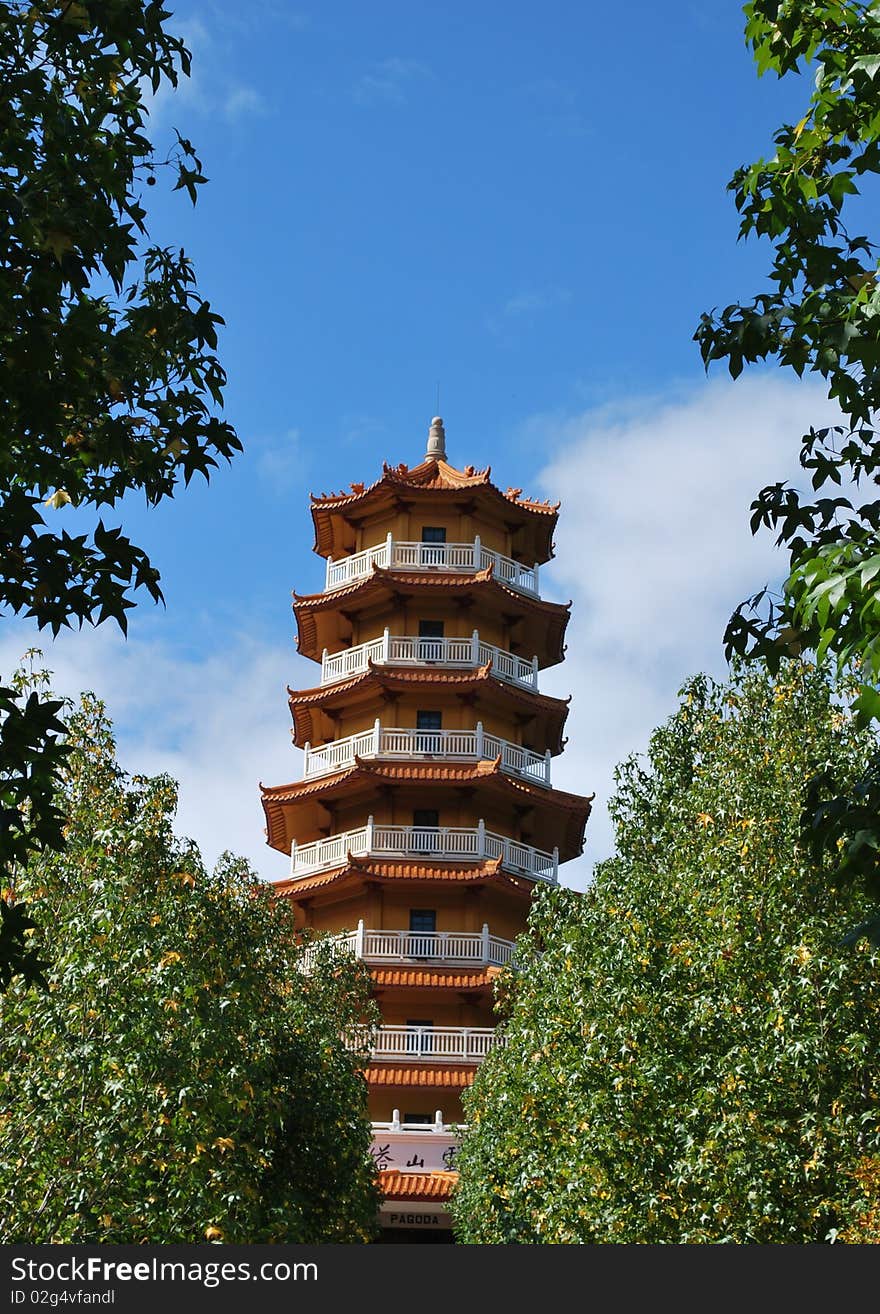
820	315
690	1055
108	374
183	1077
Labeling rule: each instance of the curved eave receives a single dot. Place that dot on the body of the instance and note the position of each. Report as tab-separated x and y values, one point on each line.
569	812
546	621
413	679
433	978
395	1185
454	1076
394	871
429	481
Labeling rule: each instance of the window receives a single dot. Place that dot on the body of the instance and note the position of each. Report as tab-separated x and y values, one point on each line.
430	645
425	838
430	629
422	921
422	933
417	1120
432	552
429	740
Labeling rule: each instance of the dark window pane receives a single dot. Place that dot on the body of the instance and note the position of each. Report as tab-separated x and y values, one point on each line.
430	629
430	647
426	836
433	534
429	720
422	921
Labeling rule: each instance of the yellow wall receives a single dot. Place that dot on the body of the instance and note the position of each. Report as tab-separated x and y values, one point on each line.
460	909
413	1099
439	1007
407	526
457	624
402	715
454	811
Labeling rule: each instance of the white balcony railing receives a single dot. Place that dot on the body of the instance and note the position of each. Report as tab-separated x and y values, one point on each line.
410	650
457	558
427	1044
435	1127
456	843
448	745
447	948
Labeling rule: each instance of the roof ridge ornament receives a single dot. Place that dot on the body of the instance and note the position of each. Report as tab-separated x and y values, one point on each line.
436	441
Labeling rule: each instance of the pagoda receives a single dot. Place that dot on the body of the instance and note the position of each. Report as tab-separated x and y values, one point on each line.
426	816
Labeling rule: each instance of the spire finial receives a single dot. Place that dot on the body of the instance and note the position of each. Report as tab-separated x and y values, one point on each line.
436	441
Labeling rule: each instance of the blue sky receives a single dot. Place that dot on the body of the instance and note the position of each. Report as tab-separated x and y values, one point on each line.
527	205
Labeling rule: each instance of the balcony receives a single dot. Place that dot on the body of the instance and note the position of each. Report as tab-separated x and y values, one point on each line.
408	650
452	843
456	558
443	948
428	1044
443	745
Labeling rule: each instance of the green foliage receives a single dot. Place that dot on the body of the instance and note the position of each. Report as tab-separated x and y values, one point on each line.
108	371
691	1055
32	751
182	1078
820	315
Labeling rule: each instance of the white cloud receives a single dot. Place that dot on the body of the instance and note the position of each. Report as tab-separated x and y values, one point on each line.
217	724
389	81
282	463
241	101
522	309
654	548
211	89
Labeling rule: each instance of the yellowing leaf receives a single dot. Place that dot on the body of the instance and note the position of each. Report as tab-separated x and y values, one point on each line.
58	243
58	499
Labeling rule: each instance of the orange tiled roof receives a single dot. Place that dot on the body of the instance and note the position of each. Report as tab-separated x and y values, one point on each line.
554	616
396	869
452	1076
572	810
393	772
388	678
412	869
459	978
395	1185
429	477
416	580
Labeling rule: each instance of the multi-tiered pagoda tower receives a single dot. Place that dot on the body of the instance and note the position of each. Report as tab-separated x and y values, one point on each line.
426	814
